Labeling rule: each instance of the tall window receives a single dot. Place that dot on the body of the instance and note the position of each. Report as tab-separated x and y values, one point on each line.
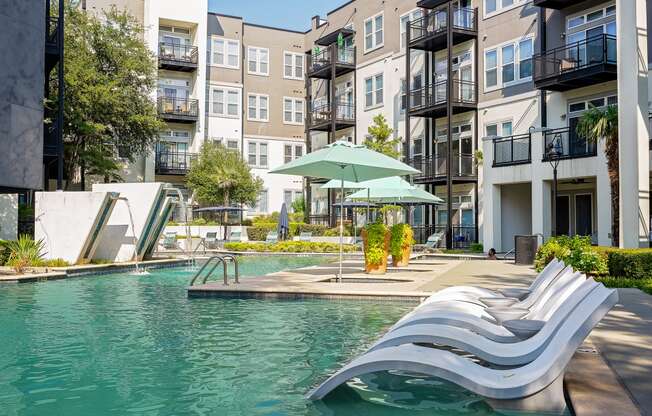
257	154
292	65
261	203
258	60
257	107
508	64
226	102
373	33
411	16
292	110
373	91
226	53
291	152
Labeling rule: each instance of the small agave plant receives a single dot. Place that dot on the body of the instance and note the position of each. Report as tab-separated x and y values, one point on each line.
24	252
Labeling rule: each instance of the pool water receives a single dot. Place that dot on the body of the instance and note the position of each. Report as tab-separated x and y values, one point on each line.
123	344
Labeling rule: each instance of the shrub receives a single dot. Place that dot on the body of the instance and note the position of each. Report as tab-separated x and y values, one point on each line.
25	253
289	247
375	252
477	248
630	263
4	252
56	263
335	232
247	222
574	251
401	238
259	231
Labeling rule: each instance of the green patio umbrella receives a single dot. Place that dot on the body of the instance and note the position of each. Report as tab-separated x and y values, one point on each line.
346	162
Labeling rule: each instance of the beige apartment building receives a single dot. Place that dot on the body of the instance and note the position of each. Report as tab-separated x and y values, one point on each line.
485	94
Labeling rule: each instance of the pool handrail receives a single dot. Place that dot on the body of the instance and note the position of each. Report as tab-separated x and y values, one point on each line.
216	260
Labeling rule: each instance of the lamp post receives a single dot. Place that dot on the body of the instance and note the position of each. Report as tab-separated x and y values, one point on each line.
554	152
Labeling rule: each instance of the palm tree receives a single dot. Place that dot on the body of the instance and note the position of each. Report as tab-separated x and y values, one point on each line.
597	124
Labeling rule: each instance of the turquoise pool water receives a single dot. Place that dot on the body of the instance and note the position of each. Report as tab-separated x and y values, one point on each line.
136	345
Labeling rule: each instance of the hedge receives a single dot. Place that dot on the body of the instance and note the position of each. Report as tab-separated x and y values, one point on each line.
259	231
289	247
629	263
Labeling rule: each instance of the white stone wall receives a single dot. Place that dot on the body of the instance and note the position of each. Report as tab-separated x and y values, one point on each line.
8	216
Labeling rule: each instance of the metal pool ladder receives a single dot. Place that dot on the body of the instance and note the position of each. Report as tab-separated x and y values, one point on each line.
216	261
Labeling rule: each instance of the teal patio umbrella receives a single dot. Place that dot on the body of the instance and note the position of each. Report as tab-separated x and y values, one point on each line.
345	161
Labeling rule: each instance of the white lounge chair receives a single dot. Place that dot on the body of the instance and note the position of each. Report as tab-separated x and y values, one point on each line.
272	237
211	240
305	236
536	387
235	236
508	354
170	241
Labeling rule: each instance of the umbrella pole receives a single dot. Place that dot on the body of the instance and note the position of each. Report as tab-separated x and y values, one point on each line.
368	198
341	225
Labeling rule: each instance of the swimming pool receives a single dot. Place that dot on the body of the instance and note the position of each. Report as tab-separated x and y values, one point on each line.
122	344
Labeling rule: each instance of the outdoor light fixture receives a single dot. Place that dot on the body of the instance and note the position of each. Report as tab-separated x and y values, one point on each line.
554	152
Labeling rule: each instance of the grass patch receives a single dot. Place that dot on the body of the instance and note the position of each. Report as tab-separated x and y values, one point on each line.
623	282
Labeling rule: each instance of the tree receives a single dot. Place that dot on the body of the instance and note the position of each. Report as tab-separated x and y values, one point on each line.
110	75
379	138
221	177
299	205
597	124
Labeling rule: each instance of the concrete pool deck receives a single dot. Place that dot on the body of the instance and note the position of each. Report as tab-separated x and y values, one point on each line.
609	375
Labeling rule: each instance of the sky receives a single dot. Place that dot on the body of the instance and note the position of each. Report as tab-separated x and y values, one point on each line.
286	14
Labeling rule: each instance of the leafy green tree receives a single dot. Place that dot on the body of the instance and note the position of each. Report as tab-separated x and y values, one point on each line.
379	138
109	78
221	177
597	124
299	205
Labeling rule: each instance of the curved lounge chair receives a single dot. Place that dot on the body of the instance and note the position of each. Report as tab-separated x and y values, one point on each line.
517	353
537	386
478	320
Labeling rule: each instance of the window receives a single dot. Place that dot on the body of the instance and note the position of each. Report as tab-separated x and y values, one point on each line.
291	152
257	154
504	126
261	203
257	106
408	17
373	33
226	102
292	65
292	110
373	91
492	7
226	53
289	196
515	60
258	60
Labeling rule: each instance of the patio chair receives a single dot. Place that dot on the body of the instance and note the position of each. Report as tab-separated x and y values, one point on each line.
305	236
210	242
272	237
170	241
434	240
235	237
536	386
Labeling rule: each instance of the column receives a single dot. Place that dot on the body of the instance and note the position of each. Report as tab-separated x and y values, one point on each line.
633	151
603	204
541	208
491	221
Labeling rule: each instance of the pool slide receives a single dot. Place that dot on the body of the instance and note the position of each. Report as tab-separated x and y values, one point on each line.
536	386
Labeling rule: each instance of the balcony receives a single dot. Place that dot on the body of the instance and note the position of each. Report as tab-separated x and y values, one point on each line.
173	163
428	33
580	64
179	110
430	101
320	118
434	170
512	150
52	43
331	58
556	4
571	145
176	57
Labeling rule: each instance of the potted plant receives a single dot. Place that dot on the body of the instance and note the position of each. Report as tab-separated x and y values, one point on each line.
400	245
375	238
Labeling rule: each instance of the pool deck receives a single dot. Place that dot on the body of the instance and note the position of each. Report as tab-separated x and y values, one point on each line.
609	375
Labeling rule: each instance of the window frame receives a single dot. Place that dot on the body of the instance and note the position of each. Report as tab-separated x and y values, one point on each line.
374	91
258	61
516	62
402	29
500	8
294	111
500	125
258	107
258	144
294	55
225	90
225	52
374	31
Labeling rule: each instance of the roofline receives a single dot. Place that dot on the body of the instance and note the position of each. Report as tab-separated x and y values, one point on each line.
226	15
259	25
340	7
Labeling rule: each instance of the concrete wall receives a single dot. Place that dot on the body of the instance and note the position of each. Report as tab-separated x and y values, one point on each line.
22	31
8	216
516	213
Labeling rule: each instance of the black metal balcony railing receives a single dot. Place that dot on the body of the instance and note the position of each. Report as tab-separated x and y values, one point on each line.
173	163
177	54
321	113
512	150
463	235
464	166
186	108
597	50
570	144
344	55
463	92
51	30
435	22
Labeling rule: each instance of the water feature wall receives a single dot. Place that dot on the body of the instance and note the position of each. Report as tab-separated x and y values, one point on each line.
8	216
71	224
120	241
